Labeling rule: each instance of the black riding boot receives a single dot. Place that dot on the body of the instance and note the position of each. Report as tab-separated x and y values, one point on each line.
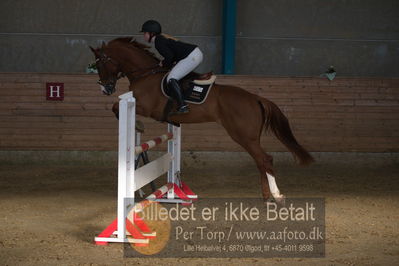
175	90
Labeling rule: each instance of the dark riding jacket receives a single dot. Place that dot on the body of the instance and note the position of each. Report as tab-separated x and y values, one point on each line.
172	50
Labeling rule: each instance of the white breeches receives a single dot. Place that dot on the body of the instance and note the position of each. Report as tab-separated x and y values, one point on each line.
186	65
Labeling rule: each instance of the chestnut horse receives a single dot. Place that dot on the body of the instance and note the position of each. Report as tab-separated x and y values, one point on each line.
244	115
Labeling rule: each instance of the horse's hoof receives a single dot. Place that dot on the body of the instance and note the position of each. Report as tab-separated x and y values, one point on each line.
280	200
269	200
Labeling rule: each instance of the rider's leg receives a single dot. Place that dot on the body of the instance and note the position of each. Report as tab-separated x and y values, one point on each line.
181	69
174	88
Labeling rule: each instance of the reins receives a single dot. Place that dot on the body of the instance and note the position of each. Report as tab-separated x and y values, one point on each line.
153	69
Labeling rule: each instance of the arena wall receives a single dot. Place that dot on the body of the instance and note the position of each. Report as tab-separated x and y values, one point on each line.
273	38
343	115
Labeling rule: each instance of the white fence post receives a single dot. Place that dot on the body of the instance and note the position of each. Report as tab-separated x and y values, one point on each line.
131	179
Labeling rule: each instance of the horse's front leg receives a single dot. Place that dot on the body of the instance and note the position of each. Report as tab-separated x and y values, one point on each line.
115	110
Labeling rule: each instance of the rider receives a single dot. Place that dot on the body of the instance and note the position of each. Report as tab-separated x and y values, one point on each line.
183	57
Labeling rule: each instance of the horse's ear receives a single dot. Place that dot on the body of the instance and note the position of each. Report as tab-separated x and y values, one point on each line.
95	51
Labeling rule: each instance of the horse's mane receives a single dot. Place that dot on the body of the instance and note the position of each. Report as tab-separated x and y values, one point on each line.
131	43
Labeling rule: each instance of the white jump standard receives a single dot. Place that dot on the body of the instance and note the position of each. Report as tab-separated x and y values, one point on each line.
131	180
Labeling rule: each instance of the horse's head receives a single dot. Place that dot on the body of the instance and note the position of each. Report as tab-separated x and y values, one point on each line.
109	70
135	57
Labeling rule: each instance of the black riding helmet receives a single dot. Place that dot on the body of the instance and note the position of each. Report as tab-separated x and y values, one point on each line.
151	26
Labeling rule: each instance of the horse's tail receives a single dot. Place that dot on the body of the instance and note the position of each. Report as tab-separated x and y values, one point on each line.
278	123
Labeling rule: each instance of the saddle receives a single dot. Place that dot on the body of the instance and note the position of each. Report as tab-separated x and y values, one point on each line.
195	87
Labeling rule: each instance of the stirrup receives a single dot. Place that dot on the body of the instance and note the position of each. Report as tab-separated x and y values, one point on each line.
183	109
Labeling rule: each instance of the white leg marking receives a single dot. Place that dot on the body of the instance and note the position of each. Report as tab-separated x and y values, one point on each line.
273	187
103	89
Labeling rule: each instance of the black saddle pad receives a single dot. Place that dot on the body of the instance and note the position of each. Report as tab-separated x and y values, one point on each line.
192	92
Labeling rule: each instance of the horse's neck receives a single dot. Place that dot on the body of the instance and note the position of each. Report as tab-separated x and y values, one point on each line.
134	61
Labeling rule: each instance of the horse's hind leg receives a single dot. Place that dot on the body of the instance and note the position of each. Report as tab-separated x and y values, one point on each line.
250	142
265	166
249	138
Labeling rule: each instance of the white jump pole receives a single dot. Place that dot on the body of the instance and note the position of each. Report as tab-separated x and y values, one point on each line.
126	159
131	180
